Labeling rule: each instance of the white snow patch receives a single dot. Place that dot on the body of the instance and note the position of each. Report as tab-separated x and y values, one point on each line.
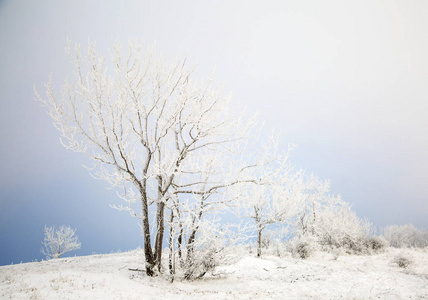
321	277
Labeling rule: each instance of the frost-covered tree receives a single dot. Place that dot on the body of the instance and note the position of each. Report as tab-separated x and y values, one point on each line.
59	241
338	225
276	197
152	131
406	236
269	204
329	219
316	195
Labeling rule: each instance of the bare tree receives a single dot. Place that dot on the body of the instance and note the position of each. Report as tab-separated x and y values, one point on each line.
59	241
151	130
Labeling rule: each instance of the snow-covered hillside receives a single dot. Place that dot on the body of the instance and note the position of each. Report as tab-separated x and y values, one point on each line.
321	277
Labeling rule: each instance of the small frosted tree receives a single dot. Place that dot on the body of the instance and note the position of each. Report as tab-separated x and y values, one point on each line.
316	195
277	195
59	241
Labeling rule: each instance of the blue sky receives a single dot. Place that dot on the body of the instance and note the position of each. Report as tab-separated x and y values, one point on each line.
346	82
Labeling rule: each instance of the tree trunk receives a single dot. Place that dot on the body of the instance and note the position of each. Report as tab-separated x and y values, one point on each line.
159	225
190	243
180	238
179	245
159	234
314	218
257	219
171	246
146	234
192	236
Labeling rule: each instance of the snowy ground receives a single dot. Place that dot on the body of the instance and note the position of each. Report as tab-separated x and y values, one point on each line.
320	277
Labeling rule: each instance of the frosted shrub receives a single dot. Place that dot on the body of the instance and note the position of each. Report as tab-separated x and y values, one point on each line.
268	239
330	220
203	254
402	261
202	262
406	236
303	247
59	241
353	246
208	249
377	243
303	250
272	244
338	226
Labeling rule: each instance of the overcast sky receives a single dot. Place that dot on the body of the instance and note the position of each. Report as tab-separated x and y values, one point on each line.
346	82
